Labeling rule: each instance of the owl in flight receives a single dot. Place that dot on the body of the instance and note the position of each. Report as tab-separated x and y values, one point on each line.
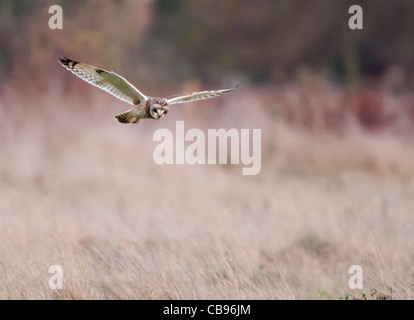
145	107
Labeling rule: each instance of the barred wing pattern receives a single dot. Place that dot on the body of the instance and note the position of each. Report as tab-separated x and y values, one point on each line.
194	96
106	80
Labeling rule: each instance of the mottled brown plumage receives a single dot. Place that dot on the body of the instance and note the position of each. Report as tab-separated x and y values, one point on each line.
145	107
135	114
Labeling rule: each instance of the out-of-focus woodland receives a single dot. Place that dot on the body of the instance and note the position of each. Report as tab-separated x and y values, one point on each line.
165	42
187	44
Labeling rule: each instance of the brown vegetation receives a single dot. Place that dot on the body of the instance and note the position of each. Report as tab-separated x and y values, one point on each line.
79	190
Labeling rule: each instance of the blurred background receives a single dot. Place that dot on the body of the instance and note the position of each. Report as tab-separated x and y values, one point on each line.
336	109
270	42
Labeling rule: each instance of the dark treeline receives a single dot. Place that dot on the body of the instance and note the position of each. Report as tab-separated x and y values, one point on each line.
165	42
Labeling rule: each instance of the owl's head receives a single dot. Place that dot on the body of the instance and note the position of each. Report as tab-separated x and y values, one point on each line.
157	111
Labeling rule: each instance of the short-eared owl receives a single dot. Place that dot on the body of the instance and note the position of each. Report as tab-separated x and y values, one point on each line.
144	106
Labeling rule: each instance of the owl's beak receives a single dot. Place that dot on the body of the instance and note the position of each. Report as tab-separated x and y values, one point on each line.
161	113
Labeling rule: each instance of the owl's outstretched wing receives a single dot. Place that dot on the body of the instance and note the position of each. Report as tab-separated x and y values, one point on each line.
194	96
106	80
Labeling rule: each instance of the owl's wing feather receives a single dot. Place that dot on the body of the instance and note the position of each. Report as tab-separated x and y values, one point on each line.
194	96
106	80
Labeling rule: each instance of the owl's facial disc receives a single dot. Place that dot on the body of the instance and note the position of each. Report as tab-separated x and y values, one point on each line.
157	112
154	111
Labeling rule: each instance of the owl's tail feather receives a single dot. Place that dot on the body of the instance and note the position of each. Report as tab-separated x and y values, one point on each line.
123	118
127	118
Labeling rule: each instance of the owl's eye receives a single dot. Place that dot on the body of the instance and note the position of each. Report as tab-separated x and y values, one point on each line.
154	112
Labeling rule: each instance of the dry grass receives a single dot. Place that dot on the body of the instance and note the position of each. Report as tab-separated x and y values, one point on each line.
79	190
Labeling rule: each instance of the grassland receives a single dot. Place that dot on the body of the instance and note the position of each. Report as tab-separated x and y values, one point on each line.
81	191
